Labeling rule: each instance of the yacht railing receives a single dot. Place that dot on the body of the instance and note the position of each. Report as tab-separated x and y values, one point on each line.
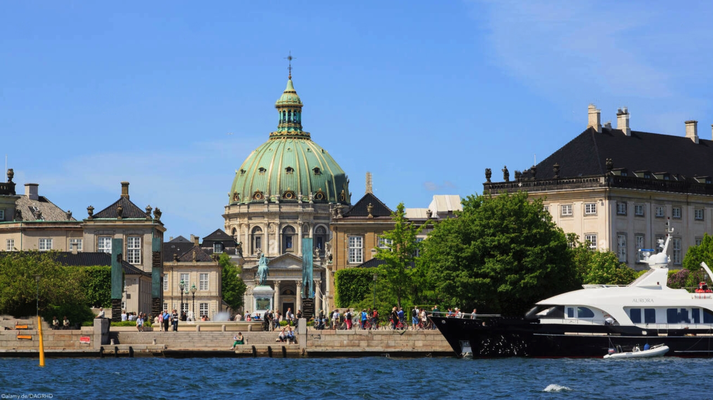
463	315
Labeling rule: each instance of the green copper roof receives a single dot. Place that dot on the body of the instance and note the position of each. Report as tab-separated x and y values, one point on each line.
289	97
289	169
290	166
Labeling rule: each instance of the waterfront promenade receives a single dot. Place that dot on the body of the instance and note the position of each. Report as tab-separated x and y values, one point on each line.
215	340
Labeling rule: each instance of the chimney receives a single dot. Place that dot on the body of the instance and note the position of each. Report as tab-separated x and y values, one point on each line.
125	190
170	238
692	130
368	183
31	191
595	117
195	240
622	121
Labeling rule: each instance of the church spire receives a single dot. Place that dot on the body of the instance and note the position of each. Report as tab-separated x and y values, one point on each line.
289	109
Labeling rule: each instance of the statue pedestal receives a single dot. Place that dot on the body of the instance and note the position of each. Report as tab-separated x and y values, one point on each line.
263	297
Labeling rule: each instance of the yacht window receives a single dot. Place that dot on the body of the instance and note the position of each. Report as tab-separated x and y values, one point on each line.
696	315
649	315
707	317
556	312
635	315
570	312
672	315
584	312
683	316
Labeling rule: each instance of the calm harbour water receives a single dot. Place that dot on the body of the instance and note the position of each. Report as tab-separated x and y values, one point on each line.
367	378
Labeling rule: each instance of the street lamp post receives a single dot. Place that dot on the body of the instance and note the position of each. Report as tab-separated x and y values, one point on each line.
375	276
181	285
193	291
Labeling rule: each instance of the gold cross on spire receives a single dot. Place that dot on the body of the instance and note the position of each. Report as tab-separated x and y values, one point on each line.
289	59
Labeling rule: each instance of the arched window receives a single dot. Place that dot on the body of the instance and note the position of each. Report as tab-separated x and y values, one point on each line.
320	239
256	240
288	236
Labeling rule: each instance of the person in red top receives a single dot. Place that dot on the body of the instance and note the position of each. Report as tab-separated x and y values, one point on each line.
375	319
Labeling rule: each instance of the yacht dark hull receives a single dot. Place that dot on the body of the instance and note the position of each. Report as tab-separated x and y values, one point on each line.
511	337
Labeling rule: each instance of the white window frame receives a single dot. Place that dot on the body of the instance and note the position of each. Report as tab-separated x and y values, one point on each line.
621	247
104	244
590	208
677	251
566	210
184	308
185	277
676	212
217	248
10	245
699	241
133	249
418	250
202	309
621	208
203	281
639	210
640	239
165	283
592	238
165	306
699	214
78	242
356	249
660	212
384	243
45	244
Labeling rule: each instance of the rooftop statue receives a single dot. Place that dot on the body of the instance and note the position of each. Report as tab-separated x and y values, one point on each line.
262	270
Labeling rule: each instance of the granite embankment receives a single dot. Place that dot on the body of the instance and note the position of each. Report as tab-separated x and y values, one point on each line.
215	340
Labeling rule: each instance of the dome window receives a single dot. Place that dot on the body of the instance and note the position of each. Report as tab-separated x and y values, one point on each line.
236	196
317	171
242	171
289	170
262	170
319	195
289	195
258	195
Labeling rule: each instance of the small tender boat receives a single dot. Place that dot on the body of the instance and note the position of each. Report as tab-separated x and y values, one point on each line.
656	351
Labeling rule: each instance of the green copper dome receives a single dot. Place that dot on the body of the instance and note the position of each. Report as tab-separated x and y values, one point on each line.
290	167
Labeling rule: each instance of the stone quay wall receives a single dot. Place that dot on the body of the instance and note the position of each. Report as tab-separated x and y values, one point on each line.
376	341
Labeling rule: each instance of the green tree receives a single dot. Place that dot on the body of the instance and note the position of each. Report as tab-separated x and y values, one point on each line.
352	285
59	285
500	254
399	254
604	268
697	254
96	285
233	287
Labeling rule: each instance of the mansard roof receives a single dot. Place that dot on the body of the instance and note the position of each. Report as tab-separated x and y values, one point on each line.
360	208
38	210
130	210
90	259
586	155
218	236
177	248
195	254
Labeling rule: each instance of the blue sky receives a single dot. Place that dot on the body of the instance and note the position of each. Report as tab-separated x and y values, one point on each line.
173	96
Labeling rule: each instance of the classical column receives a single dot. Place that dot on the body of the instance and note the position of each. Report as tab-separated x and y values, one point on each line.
317	296
299	238
298	301
327	284
276	305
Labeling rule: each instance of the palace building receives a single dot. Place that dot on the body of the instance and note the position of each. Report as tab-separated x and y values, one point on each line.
616	187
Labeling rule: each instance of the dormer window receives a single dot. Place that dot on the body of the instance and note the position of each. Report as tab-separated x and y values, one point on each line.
217	247
289	195
262	170
317	171
242	172
289	170
257	195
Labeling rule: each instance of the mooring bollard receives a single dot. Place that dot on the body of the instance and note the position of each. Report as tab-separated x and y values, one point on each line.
112	342
222	328
269	351
131	352
116	351
284	352
254	352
